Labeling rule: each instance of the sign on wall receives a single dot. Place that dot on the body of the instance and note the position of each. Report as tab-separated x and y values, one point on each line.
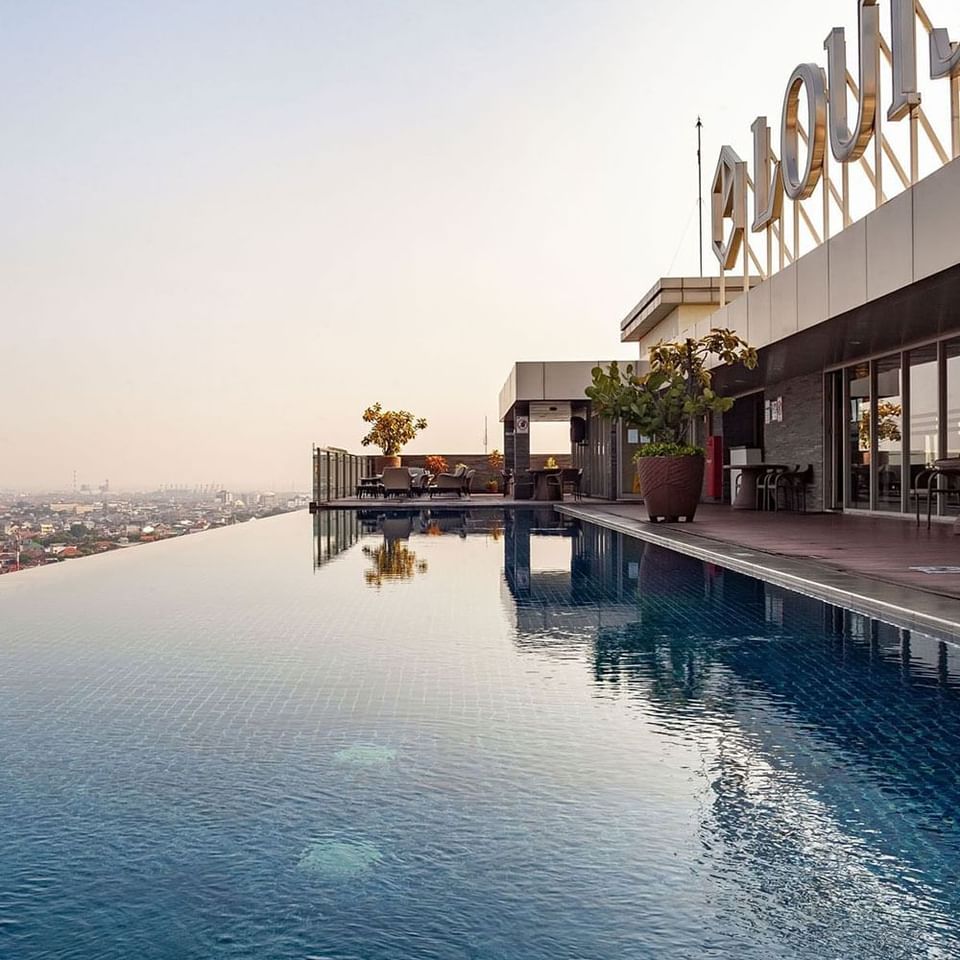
522	424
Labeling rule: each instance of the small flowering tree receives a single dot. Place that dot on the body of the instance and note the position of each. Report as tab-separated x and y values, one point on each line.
391	429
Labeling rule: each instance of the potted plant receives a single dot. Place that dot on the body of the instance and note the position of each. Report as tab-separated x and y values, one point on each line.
495	462
663	403
436	464
390	430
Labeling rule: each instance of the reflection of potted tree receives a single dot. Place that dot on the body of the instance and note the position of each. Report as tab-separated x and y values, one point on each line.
392	560
888	427
663	403
390	430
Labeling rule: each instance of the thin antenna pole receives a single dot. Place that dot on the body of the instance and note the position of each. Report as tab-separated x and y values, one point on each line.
700	192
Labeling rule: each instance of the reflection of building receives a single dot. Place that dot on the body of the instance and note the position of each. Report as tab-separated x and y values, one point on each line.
583	595
803	703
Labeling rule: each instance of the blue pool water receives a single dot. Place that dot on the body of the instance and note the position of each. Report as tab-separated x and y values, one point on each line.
481	736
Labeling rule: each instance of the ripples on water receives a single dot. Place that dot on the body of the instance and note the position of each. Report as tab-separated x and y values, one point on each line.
465	736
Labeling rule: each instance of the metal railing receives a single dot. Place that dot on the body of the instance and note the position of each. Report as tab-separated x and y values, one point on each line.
337	473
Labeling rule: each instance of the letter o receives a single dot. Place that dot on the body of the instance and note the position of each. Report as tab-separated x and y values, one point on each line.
798	184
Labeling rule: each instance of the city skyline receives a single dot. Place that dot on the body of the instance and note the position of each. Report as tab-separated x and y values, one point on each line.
229	229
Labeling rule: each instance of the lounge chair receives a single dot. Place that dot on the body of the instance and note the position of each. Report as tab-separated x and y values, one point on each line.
397	482
421	479
449	482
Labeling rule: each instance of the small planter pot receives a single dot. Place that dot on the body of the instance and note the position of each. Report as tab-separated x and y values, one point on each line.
671	486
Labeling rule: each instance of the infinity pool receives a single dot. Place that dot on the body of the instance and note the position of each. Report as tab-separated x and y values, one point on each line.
481	735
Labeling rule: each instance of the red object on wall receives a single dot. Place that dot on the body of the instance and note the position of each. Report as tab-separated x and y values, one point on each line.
713	474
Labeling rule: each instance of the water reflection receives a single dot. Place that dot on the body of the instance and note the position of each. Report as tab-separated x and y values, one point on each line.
392	557
829	738
826	741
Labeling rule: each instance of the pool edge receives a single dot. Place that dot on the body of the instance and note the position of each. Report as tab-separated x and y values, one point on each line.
902	606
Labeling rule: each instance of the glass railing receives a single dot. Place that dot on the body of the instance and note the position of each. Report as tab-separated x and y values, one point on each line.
337	473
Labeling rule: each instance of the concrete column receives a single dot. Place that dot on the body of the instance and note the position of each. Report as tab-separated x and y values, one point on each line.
508	451
517	526
521	441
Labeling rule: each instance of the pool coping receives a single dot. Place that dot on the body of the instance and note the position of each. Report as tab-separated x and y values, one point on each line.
900	605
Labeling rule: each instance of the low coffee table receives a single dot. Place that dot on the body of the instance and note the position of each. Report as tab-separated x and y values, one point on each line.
369	487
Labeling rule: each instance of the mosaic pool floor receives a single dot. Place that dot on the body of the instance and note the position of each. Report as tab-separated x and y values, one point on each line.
490	737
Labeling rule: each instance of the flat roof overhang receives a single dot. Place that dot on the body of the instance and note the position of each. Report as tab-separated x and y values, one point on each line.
548	390
925	310
668	293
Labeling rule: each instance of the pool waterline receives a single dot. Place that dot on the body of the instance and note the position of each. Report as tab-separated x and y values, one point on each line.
534	738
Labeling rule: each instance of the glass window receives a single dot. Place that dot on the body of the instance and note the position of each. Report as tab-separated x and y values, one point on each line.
858	436
953	397
950	504
889	421
924	439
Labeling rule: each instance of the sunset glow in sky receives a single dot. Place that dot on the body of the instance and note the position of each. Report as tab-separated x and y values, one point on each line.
228	227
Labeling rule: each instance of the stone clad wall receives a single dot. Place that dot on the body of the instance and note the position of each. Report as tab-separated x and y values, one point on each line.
478	462
798	439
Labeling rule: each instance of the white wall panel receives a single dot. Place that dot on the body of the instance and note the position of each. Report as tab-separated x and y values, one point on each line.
783	303
848	268
890	246
758	316
936	221
813	288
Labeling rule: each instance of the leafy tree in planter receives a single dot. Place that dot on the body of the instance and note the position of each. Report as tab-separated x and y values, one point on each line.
391	428
677	389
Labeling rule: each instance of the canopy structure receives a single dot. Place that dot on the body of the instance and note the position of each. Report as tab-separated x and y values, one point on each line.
551	392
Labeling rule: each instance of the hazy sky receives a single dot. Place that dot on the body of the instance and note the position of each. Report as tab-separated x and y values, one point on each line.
229	226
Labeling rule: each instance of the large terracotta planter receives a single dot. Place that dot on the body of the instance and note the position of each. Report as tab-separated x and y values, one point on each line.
671	486
391	461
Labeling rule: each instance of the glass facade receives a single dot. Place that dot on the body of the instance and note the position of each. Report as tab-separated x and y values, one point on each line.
887	421
952	352
858	437
923	438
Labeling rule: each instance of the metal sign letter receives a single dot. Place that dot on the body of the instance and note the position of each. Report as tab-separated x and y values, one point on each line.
767	192
944	55
800	185
728	201
848	145
903	35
